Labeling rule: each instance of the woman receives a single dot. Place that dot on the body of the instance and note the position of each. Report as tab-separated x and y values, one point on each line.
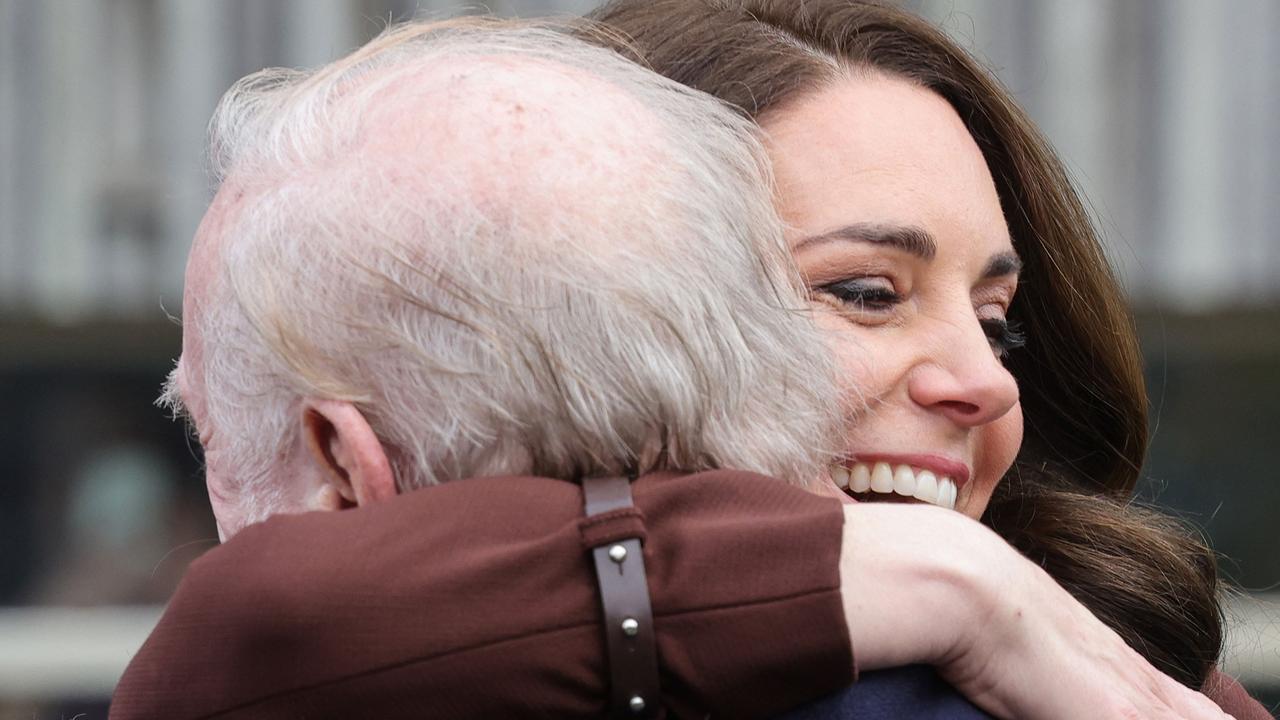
899	162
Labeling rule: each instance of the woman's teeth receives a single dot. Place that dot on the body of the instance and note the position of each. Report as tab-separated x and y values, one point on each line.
901	480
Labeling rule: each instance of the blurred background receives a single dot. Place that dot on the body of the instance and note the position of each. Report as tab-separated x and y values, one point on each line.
1166	112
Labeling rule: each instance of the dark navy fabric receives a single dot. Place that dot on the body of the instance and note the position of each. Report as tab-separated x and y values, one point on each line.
911	693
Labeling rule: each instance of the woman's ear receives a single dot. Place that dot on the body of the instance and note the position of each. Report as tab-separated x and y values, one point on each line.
352	465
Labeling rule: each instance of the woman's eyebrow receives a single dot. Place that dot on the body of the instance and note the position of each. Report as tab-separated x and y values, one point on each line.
910	239
907	238
1001	264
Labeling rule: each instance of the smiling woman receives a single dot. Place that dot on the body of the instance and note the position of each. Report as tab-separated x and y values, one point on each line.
896	225
935	227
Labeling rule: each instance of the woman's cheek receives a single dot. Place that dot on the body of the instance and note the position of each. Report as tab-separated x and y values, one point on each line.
854	359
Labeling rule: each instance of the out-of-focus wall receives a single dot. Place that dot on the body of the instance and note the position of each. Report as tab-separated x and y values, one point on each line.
103	107
1166	112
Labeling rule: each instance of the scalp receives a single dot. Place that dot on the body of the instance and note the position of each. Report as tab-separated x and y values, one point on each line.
516	133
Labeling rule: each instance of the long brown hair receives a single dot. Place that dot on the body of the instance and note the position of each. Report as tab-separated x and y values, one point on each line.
1066	501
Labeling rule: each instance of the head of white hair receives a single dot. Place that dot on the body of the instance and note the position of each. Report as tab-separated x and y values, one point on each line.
615	299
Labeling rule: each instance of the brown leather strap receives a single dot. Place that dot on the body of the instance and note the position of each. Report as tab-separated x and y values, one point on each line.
624	595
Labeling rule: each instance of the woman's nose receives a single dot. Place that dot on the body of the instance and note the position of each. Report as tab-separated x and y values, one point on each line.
964	380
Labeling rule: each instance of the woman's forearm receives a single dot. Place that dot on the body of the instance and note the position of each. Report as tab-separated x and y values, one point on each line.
926	585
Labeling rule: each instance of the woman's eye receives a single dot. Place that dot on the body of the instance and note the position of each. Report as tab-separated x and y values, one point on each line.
1003	335
875	293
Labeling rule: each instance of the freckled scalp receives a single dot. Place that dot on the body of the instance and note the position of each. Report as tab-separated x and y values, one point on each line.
496	128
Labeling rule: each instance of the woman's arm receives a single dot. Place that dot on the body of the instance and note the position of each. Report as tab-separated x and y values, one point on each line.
927	585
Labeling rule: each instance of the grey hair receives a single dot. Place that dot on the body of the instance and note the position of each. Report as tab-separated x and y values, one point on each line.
489	321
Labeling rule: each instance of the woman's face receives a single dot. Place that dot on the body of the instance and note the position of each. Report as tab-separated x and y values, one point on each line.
895	223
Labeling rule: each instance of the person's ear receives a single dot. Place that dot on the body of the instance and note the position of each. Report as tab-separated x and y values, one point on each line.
351	462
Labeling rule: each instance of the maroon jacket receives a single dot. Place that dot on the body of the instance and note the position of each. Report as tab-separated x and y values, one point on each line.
391	611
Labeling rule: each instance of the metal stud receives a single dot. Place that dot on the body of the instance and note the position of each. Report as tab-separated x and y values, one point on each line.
630	627
617	553
636	704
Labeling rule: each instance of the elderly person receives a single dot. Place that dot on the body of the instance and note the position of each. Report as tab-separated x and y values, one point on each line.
496	255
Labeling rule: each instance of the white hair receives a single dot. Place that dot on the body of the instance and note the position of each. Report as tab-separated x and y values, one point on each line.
505	320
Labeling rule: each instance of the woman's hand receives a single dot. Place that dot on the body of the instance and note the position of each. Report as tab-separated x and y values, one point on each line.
926	585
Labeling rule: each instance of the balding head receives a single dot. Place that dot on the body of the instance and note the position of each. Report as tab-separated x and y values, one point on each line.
505	250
